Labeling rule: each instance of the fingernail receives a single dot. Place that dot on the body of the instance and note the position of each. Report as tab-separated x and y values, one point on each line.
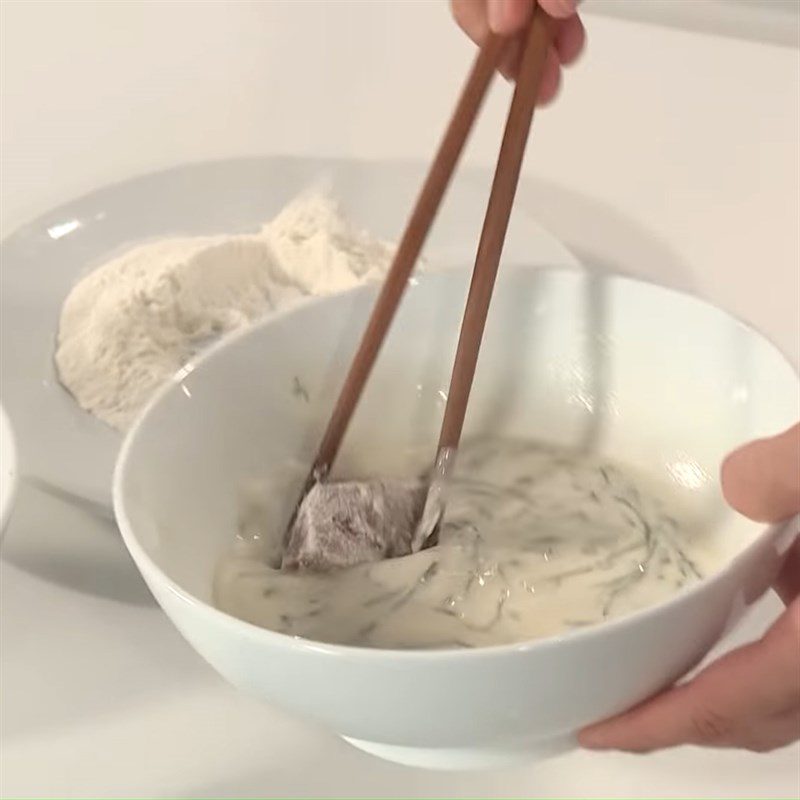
590	740
563	8
496	11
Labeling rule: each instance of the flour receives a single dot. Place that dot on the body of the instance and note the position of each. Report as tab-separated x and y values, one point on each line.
133	322
320	252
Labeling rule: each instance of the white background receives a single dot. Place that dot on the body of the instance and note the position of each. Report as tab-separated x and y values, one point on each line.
671	154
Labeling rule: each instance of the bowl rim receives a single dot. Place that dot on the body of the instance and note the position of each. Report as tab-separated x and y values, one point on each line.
682	597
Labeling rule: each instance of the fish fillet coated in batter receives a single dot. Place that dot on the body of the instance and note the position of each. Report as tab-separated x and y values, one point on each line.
341	524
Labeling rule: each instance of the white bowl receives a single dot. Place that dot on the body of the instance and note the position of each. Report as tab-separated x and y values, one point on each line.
8	470
643	374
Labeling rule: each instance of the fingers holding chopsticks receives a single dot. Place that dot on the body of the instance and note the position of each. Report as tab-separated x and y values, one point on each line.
509	18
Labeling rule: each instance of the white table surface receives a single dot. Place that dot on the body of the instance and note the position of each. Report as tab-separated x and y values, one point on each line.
670	155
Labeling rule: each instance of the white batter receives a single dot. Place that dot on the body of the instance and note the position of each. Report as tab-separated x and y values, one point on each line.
535	541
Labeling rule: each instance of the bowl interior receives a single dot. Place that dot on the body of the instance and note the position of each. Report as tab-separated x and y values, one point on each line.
641	374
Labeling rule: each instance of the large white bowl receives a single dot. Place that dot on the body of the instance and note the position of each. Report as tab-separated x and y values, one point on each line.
643	374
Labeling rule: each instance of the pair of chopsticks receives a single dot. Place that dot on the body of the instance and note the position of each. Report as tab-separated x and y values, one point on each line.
493	234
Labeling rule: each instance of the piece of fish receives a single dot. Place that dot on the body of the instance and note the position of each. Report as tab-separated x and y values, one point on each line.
341	524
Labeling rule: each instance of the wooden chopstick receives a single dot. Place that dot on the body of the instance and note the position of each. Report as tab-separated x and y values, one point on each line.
495	225
408	250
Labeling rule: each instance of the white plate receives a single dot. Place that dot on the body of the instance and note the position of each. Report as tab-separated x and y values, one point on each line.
61	444
8	469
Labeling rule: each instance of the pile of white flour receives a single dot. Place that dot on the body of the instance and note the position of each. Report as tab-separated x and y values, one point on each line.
133	322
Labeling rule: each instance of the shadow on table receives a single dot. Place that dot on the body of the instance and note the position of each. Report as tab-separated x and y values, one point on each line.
68	545
347	772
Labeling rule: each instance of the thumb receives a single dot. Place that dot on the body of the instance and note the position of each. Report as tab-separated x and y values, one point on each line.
762	479
748	698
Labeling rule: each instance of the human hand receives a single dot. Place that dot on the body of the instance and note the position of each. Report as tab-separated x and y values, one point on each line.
749	698
509	17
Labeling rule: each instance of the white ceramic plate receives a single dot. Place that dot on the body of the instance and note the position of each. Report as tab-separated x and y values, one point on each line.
61	444
8	469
